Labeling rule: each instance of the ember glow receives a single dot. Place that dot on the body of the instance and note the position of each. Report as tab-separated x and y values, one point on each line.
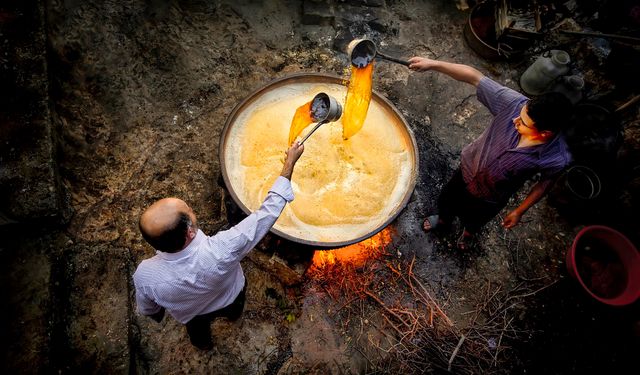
353	255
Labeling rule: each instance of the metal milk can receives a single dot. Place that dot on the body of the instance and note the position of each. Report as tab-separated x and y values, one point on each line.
569	86
539	77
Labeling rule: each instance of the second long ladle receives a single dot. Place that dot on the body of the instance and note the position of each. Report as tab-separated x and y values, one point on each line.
363	51
324	108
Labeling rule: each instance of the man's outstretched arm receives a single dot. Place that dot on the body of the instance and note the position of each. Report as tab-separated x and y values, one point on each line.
460	72
241	238
292	155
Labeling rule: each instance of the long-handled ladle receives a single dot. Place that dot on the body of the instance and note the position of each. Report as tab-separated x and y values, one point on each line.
362	51
324	108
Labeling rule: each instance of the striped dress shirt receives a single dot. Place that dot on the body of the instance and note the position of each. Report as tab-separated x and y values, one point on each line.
492	167
206	275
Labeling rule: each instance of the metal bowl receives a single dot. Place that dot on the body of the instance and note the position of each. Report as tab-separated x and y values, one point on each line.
232	137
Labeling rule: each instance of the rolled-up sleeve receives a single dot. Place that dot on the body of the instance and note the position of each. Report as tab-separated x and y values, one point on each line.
497	97
240	239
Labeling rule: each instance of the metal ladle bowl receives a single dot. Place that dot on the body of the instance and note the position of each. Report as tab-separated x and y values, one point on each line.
362	52
324	108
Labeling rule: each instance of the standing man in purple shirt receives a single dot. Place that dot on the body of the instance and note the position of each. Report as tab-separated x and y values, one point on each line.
522	140
197	278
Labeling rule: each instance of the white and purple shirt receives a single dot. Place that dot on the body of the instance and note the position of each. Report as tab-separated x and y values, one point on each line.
492	167
206	275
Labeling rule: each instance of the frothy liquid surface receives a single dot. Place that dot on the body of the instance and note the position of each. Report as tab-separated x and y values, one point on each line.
344	189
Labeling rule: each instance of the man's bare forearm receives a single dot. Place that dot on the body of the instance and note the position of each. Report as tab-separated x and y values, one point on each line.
537	192
512	218
287	170
293	153
459	72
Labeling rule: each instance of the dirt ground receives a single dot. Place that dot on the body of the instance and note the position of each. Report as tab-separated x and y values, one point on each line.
140	92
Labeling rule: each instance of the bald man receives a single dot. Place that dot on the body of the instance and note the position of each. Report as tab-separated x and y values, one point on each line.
198	278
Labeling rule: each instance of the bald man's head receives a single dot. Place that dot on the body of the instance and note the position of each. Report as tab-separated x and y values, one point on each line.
168	225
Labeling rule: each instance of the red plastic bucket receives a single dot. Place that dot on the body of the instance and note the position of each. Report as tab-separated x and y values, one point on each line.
606	264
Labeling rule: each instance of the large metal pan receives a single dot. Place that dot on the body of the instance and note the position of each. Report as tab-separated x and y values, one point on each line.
269	94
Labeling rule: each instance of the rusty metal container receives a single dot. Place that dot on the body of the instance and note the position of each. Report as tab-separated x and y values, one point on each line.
480	34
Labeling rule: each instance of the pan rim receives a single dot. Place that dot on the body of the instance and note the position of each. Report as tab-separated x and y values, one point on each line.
319	78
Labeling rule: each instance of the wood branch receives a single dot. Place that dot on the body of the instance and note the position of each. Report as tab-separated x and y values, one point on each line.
392	325
435	305
530	293
455	351
424	295
347	303
375	298
628	104
430	316
495	357
411	271
502	19
602	35
274	266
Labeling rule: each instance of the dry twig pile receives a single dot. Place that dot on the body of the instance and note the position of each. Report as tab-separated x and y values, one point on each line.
394	321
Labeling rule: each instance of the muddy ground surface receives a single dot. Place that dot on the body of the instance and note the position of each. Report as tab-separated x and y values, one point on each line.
140	92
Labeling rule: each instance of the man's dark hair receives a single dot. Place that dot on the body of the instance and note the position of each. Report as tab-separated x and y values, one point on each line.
550	111
173	239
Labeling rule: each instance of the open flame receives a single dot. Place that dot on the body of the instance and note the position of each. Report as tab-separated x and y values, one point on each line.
353	255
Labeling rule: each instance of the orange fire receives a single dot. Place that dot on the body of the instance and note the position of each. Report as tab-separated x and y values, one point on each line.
354	255
357	102
301	119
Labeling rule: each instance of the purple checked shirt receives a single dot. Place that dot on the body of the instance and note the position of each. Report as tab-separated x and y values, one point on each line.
492	167
206	275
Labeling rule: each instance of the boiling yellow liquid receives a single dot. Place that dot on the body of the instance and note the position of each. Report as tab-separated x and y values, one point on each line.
343	188
301	119
357	101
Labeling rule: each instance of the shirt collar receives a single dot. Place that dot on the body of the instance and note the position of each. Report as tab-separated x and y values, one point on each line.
553	145
200	236
539	149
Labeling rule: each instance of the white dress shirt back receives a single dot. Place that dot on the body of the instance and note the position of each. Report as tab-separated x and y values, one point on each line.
206	275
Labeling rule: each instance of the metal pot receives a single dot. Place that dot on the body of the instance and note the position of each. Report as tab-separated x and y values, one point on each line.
272	92
479	32
362	52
